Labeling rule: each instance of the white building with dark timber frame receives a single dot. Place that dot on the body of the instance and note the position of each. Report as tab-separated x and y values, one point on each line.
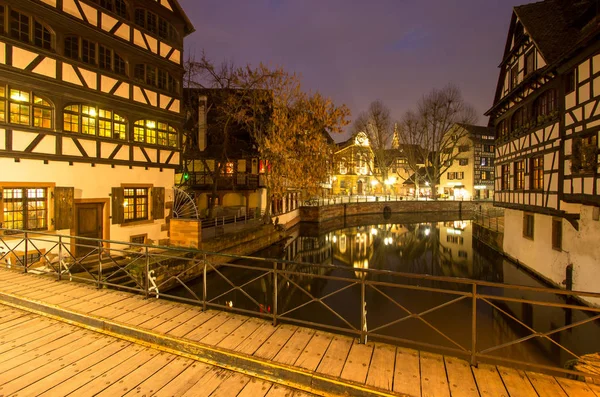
90	115
546	114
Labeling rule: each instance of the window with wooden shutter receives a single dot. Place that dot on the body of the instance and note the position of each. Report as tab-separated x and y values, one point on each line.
117	199
158	203
63	207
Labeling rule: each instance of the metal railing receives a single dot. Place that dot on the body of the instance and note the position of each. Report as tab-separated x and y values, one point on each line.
367	303
490	218
346	199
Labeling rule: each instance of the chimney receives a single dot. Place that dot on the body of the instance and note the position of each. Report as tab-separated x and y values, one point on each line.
202	100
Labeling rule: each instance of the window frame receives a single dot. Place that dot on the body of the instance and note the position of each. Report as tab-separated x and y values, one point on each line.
77	118
505	177
528	225
536	173
135	196
27	32
153	132
557	234
529	60
25	210
519	172
27	107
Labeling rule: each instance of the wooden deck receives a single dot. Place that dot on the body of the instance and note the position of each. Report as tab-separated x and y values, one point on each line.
28	343
45	357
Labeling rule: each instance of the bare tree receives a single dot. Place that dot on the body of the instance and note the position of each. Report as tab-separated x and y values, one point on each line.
429	132
376	123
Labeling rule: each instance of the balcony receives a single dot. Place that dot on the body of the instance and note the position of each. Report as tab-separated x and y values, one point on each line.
237	181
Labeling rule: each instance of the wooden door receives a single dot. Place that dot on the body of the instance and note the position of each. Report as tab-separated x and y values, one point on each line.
89	224
360	187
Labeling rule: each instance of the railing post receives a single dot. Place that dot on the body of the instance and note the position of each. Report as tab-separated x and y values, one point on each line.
25	255
99	263
147	272
474	327
204	285
363	310
59	257
274	294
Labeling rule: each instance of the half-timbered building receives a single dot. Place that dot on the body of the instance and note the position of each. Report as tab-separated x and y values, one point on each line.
90	115
547	117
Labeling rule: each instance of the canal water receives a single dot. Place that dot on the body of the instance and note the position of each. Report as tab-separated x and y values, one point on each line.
446	249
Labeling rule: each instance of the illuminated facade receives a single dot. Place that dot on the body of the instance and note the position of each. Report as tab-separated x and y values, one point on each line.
90	115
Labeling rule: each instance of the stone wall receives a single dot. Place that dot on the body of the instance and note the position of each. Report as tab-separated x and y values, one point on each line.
185	233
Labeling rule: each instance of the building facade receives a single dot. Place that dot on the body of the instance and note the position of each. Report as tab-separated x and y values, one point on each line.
547	116
471	172
90	115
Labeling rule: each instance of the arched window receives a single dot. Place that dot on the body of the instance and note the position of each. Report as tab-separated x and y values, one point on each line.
92	120
117	6
151	131
24	108
28	30
519	119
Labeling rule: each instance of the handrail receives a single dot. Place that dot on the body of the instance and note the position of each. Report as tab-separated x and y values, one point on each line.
148	270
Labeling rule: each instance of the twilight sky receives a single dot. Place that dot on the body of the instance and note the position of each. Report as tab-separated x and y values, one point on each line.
356	51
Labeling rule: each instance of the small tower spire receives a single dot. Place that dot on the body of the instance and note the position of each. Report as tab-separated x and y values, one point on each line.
395	139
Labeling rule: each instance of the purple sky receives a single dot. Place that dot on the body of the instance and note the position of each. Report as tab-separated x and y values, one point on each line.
356	51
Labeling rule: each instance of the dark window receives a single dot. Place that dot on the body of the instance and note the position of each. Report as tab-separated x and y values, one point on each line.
514	76
451	175
545	104
26	208
1	19
135	204
19	26
502	129
462	254
104	57
484	161
519	119
505	177
121	8
162	79
519	175
488	148
585	154
485	175
120	65
151	21
529	62
42	37
528	226
460	175
106	4
463	148
557	234
537	173
139	72
72	47
163	29
463	161
88	51
140	17
570	82
150	75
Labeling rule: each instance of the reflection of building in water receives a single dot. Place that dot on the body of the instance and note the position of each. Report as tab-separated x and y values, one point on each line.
456	248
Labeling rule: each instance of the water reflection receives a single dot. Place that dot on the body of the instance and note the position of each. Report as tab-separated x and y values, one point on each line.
435	248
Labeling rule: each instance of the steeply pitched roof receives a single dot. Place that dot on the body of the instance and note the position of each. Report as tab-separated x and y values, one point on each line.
556	26
189	27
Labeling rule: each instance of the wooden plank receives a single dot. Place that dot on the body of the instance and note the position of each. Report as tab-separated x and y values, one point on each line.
488	380
217	335
434	382
235	383
114	375
575	388
292	349
44	334
208	383
94	372
595	388
335	356
357	362
545	385
164	317
207	327
253	342
192	323
23	328
15	320
315	351
63	373
138	375
407	373
381	370
176	321
280	391
235	338
255	388
162	377
269	349
516	382
185	380
39	368
460	378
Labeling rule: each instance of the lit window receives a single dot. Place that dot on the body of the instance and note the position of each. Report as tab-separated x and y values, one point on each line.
25	208
93	121
135	204
537	173
520	175
153	132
